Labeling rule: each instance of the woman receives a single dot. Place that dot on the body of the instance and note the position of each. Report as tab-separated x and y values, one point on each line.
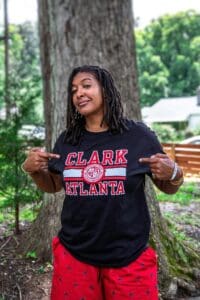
102	251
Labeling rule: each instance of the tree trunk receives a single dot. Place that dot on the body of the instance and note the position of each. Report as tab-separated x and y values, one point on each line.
6	60
98	32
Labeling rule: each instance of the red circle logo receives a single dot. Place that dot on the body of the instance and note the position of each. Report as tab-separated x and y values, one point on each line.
93	173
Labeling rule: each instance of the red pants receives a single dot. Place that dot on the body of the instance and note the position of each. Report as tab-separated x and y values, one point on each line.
75	280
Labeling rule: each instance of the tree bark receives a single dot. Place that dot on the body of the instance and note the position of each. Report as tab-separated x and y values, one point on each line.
73	33
78	32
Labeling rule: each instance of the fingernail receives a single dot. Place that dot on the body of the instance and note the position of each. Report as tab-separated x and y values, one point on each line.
140	159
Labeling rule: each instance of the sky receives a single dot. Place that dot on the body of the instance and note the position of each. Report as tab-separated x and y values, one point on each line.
145	10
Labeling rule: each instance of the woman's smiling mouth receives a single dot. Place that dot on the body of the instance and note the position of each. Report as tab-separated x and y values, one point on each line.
82	103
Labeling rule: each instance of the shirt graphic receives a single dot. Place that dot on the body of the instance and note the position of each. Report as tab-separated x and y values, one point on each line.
95	176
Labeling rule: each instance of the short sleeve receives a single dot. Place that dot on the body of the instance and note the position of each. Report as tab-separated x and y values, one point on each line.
55	165
150	145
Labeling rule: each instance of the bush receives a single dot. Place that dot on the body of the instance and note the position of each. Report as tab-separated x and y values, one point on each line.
167	133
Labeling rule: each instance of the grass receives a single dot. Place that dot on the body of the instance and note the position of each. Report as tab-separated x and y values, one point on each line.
189	191
177	223
183	218
178	219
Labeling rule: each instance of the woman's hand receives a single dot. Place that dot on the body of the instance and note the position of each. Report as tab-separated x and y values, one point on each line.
36	165
37	160
161	166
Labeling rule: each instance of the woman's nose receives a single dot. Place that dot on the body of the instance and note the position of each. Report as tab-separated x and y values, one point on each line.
79	92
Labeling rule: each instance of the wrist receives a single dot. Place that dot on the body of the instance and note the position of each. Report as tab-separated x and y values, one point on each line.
174	172
177	175
178	181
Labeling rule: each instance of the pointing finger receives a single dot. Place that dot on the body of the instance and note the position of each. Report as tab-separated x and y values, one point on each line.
144	160
48	155
148	160
153	158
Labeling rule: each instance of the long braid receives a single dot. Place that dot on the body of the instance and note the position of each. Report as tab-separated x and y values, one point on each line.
114	111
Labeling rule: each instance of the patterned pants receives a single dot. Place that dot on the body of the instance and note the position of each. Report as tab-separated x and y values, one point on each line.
75	280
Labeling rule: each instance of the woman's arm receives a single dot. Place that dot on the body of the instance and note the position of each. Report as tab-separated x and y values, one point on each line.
36	166
166	175
170	186
47	181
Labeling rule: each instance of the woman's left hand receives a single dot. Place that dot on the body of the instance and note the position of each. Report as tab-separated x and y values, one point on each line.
161	166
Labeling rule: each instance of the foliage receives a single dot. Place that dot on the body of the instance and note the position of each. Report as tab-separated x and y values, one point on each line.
197	131
15	186
29	214
24	72
1	76
169	57
188	192
31	254
25	96
167	133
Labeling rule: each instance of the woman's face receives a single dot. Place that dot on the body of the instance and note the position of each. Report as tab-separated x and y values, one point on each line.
87	95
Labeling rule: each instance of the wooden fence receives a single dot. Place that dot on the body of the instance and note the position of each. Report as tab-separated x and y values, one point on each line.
186	155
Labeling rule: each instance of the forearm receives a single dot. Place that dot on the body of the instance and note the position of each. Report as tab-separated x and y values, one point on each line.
46	181
170	186
166	186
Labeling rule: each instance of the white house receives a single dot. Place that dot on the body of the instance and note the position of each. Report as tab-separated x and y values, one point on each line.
184	110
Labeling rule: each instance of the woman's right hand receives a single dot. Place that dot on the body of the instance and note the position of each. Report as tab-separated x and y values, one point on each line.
37	160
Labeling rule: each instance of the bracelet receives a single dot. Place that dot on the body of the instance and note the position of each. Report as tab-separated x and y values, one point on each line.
26	172
177	182
174	173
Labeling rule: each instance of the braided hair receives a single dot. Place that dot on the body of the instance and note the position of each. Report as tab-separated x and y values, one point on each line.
113	116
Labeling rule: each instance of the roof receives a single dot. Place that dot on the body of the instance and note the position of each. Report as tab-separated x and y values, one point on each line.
171	110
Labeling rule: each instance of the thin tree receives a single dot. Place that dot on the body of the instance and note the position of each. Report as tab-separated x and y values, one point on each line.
6	59
77	32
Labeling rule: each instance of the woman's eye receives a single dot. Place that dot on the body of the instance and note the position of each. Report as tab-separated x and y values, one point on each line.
73	92
87	86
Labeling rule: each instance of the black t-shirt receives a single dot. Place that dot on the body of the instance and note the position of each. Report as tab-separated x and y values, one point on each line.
105	219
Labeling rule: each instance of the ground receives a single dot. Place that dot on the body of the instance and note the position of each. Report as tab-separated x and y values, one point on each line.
22	278
29	279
